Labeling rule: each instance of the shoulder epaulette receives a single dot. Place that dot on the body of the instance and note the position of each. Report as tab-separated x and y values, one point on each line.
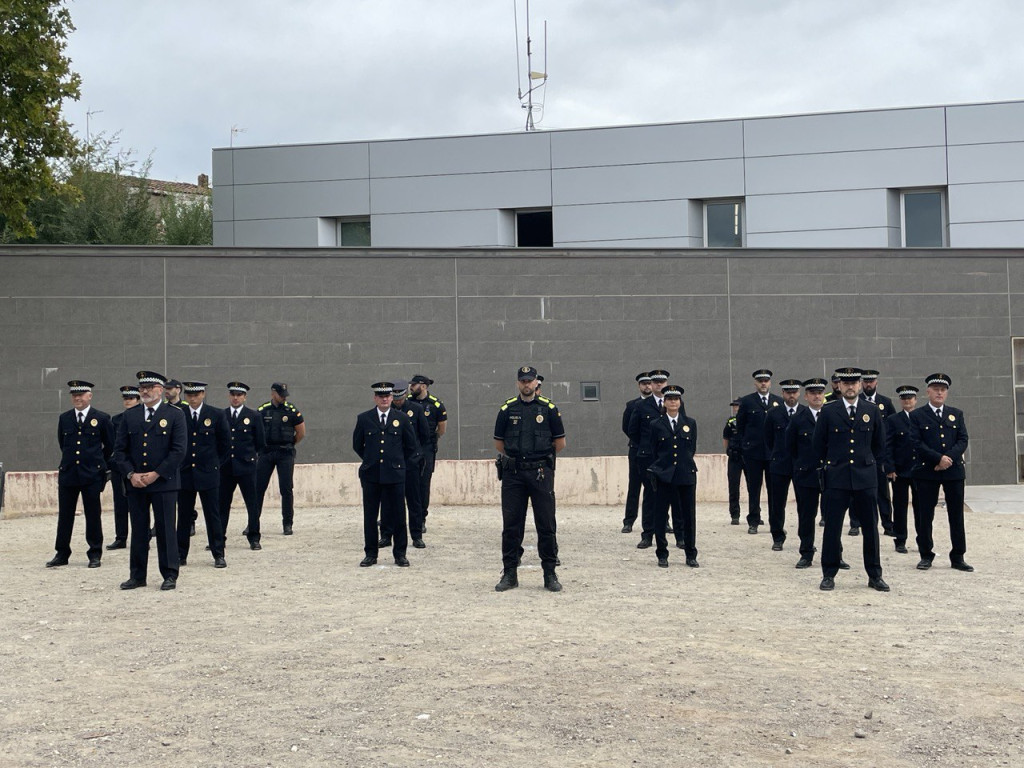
260	408
732	420
511	400
504	407
434	399
290	406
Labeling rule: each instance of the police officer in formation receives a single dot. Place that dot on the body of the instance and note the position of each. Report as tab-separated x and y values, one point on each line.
643	382
384	440
799	444
421	428
780	462
437	422
902	459
148	451
734	468
238	469
200	472
85	436
674	475
283	429
870	393
640	421
750	423
130	398
528	433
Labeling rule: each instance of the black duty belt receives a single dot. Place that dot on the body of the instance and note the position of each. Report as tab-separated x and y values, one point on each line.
535	464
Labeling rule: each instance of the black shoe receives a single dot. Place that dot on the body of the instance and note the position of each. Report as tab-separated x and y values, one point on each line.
827	584
855	530
246	532
692	562
117	544
645	542
219	562
254	545
287	530
777	546
663	562
924	565
901	548
192	530
680	545
207	547
551	583
384	543
182	561
752	529
821	522
878	584
804	562
402	562
961	566
843	565
760	521
133	584
734	521
57	561
419	544
168	585
509	580
367	561
94	562
627	528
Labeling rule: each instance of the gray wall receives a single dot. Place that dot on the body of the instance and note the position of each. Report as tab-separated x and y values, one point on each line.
809	181
331	322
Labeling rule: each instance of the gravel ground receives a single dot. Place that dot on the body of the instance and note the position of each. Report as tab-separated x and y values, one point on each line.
294	656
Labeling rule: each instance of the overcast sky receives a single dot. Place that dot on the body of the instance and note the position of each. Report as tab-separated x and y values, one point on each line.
174	77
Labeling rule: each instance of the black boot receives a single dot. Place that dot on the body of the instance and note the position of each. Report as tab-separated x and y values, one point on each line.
509	580
551	582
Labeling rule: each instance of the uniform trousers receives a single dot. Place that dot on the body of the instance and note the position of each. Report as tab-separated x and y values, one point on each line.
647	505
632	490
534	487
210	498
884	503
807	498
924	515
247	485
734	472
281	457
754	470
117	482
67	501
683	501
387	499
140	501
412	504
429	460
834	503
778	495
902	492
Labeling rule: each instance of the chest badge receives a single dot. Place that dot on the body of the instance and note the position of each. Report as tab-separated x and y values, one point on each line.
163	422
686	427
245	420
94	423
540	418
866	418
208	422
951	417
394	423
774	404
426	411
881	406
284	418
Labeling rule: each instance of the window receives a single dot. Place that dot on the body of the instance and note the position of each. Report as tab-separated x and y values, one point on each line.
723	224
354	232
590	390
923	218
534	229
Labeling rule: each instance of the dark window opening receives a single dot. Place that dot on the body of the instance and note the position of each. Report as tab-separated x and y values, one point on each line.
534	230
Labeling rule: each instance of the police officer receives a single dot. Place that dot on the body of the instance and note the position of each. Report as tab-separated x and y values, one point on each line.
734	470
172	393
200	472
640	421
780	463
528	432
849	441
643	382
283	428
750	423
86	439
421	428
885	405
384	439
900	447
437	420
238	467
940	439
674	443
148	451
130	397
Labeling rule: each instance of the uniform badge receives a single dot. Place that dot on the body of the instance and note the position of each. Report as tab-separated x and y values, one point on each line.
540	418
686	427
245	420
163	422
94	423
866	418
208	422
409	413
774	403
881	406
394	423
524	369
284	418
952	417
426	411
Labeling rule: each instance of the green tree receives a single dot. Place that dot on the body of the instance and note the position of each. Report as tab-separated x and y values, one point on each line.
187	222
35	77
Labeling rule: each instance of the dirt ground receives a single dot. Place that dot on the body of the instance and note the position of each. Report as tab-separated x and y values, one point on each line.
294	656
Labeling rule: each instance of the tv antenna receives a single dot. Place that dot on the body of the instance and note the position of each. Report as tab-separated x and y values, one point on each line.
532	76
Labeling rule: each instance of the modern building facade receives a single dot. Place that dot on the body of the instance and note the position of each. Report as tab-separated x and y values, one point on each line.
943	176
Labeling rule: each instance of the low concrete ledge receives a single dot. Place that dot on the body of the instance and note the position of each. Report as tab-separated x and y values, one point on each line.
597	480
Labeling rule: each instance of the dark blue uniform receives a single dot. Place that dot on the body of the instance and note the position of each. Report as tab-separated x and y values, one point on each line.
435	413
934	438
886	407
635	480
414	469
901	457
800	446
157	445
750	423
120	497
279	422
676	472
780	467
238	467
386	448
639	432
200	475
86	449
734	470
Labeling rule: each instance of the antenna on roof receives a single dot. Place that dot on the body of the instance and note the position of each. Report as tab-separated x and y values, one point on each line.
234	131
528	105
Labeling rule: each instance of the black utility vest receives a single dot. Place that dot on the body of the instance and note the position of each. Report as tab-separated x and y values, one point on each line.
528	434
279	431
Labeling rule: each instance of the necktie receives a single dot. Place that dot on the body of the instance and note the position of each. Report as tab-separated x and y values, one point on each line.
673	425
383	421
149	414
815	416
853	411
764	400
195	419
792	411
234	415
81	418
938	413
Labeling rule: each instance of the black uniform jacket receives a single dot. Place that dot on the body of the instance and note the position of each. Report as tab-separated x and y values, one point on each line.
420	427
775	427
385	451
850	448
673	453
899	442
245	441
885	405
207	443
644	414
750	423
800	446
627	413
86	450
158	446
934	439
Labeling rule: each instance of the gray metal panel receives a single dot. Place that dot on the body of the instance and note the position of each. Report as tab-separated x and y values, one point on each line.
844	132
441	229
460	154
816	211
277	232
223	203
876	237
637	242
656	181
222	172
986	202
310	162
989	234
986	163
223	233
620	221
296	200
524	189
895	168
985	123
647	144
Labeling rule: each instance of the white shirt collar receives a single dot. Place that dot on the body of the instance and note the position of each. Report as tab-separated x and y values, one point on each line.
84	412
